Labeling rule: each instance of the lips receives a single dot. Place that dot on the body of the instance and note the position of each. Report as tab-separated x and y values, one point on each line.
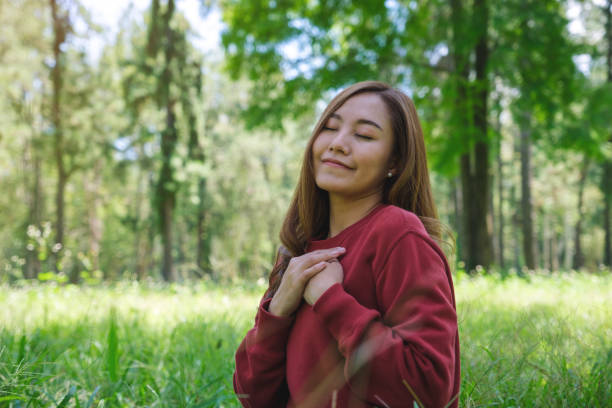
335	163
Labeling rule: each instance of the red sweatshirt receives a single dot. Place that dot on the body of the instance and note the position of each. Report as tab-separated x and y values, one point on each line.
384	336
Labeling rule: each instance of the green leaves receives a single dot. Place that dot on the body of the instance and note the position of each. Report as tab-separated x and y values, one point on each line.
296	51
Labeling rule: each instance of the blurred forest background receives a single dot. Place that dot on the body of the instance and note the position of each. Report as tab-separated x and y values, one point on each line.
148	156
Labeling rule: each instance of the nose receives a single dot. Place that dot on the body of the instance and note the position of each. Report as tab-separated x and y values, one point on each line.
340	142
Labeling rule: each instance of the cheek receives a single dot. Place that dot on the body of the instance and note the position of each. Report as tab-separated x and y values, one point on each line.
377	160
318	146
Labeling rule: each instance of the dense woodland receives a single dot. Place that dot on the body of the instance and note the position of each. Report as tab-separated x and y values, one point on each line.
157	160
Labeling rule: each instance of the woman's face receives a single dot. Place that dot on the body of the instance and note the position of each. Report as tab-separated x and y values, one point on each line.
352	154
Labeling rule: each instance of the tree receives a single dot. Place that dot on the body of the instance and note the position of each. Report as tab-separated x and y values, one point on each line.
61	29
23	79
533	56
348	42
165	71
472	125
606	178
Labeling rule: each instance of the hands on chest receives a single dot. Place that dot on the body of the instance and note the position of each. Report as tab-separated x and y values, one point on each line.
308	277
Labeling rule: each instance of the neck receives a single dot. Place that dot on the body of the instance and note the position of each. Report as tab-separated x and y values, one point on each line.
345	212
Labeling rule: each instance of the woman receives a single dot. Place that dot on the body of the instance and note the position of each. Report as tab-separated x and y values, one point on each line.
360	310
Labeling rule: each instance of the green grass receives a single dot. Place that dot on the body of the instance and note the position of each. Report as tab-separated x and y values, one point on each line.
121	346
546	341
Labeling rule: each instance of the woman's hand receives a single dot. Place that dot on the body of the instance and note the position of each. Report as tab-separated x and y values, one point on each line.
332	274
299	271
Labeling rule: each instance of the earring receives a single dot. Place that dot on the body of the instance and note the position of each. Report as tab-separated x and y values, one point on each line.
389	174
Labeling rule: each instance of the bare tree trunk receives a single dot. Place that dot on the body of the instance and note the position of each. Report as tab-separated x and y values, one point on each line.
578	256
32	266
545	262
554	252
145	235
606	182
96	228
482	178
59	36
526	204
167	196
141	224
475	177
458	216
203	242
541	244
607	251
567	239
166	187
516	227
33	181
491	223
500	198
196	153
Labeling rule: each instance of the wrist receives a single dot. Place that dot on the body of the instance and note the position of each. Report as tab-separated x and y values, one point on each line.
276	310
324	291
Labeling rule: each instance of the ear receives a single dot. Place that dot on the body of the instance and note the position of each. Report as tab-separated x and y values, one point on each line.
393	166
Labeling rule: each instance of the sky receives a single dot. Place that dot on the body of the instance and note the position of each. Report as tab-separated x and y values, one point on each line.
108	12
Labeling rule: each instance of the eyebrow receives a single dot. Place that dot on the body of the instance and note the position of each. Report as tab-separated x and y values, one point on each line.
359	121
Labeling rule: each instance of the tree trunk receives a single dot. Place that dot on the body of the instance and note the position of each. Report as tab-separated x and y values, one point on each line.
204	241
474	164
167	187
606	182
516	227
554	252
567	239
32	266
458	217
608	12
167	206
545	262
578	256
526	204
96	226
196	153
143	247
480	179
167	194
491	222
141	223
59	36
500	199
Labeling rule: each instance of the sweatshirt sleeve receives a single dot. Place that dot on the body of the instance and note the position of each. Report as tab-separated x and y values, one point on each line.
259	378
406	349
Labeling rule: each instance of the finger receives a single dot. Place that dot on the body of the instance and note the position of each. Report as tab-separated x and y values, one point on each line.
315	257
313	270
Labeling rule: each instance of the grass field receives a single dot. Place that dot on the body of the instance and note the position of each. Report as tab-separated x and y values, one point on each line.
544	341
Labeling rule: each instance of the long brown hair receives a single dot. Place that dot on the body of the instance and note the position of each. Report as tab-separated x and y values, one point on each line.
308	214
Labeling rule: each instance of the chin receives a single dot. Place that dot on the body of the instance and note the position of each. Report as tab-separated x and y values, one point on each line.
334	189
330	185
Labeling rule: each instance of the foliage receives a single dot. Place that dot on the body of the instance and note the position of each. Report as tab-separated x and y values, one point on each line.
233	184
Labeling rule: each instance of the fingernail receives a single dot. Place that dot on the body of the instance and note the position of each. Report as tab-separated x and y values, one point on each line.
339	249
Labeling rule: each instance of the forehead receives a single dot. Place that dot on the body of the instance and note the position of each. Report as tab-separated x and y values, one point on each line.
365	106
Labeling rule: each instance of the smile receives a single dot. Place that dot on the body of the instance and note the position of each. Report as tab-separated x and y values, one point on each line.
335	164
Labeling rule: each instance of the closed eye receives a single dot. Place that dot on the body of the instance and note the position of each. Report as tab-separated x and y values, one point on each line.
363	136
328	128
